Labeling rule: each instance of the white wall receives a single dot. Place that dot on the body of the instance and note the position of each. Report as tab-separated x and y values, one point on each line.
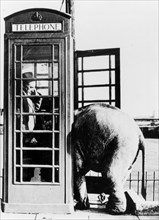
130	25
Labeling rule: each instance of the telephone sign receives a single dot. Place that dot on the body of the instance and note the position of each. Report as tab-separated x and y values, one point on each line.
37	27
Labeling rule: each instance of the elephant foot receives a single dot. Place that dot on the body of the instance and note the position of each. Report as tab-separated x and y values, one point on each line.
116	205
81	205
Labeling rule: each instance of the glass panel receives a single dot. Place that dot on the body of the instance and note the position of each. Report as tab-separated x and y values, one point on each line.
43	69
80	79
18	122
44	87
28	67
46	105
56	52
56	71
100	93
29	139
37	52
17	139
56	175
37	139
18	52
18	87
56	89
18	70
17	174
28	173
37	157
56	157
28	122
43	122
112	61
44	91
37	174
113	77
79	63
56	104
44	139
18	105
42	83
18	157
96	78
96	62
56	122
113	92
80	94
56	140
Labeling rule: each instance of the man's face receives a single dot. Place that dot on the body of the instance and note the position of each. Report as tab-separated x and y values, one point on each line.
30	88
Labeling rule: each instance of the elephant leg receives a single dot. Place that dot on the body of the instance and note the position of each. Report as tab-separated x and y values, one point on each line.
81	193
80	188
116	201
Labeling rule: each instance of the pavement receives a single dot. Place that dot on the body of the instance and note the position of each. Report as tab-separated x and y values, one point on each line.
96	212
81	215
91	214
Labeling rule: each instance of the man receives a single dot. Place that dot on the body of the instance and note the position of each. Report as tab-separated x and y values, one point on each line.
31	103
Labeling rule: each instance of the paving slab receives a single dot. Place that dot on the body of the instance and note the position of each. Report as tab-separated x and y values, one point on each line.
11	216
149	217
85	215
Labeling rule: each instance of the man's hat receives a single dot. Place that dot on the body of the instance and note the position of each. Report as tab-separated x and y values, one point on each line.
28	76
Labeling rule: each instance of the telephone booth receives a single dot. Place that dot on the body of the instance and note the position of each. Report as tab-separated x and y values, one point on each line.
38	112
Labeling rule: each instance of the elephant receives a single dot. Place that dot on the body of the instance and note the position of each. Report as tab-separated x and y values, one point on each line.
107	140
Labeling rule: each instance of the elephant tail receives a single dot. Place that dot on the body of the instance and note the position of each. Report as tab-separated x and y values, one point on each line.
142	148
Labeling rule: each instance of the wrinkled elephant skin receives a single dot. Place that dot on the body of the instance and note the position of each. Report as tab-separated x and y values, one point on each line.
105	140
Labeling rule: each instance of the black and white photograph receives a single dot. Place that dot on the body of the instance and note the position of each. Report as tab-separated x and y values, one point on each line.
79	109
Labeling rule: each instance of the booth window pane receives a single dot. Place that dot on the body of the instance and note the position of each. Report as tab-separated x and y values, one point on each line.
112	57
18	52
18	87
46	105
38	139
56	89
56	70
56	52
56	140
28	67
96	62
37	174
38	157
98	93
56	175
56	157
17	174
18	122
18	70
113	92
17	140
113	77
18	105
18	157
56	122
37	52
80	63
56	103
94	78
43	70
